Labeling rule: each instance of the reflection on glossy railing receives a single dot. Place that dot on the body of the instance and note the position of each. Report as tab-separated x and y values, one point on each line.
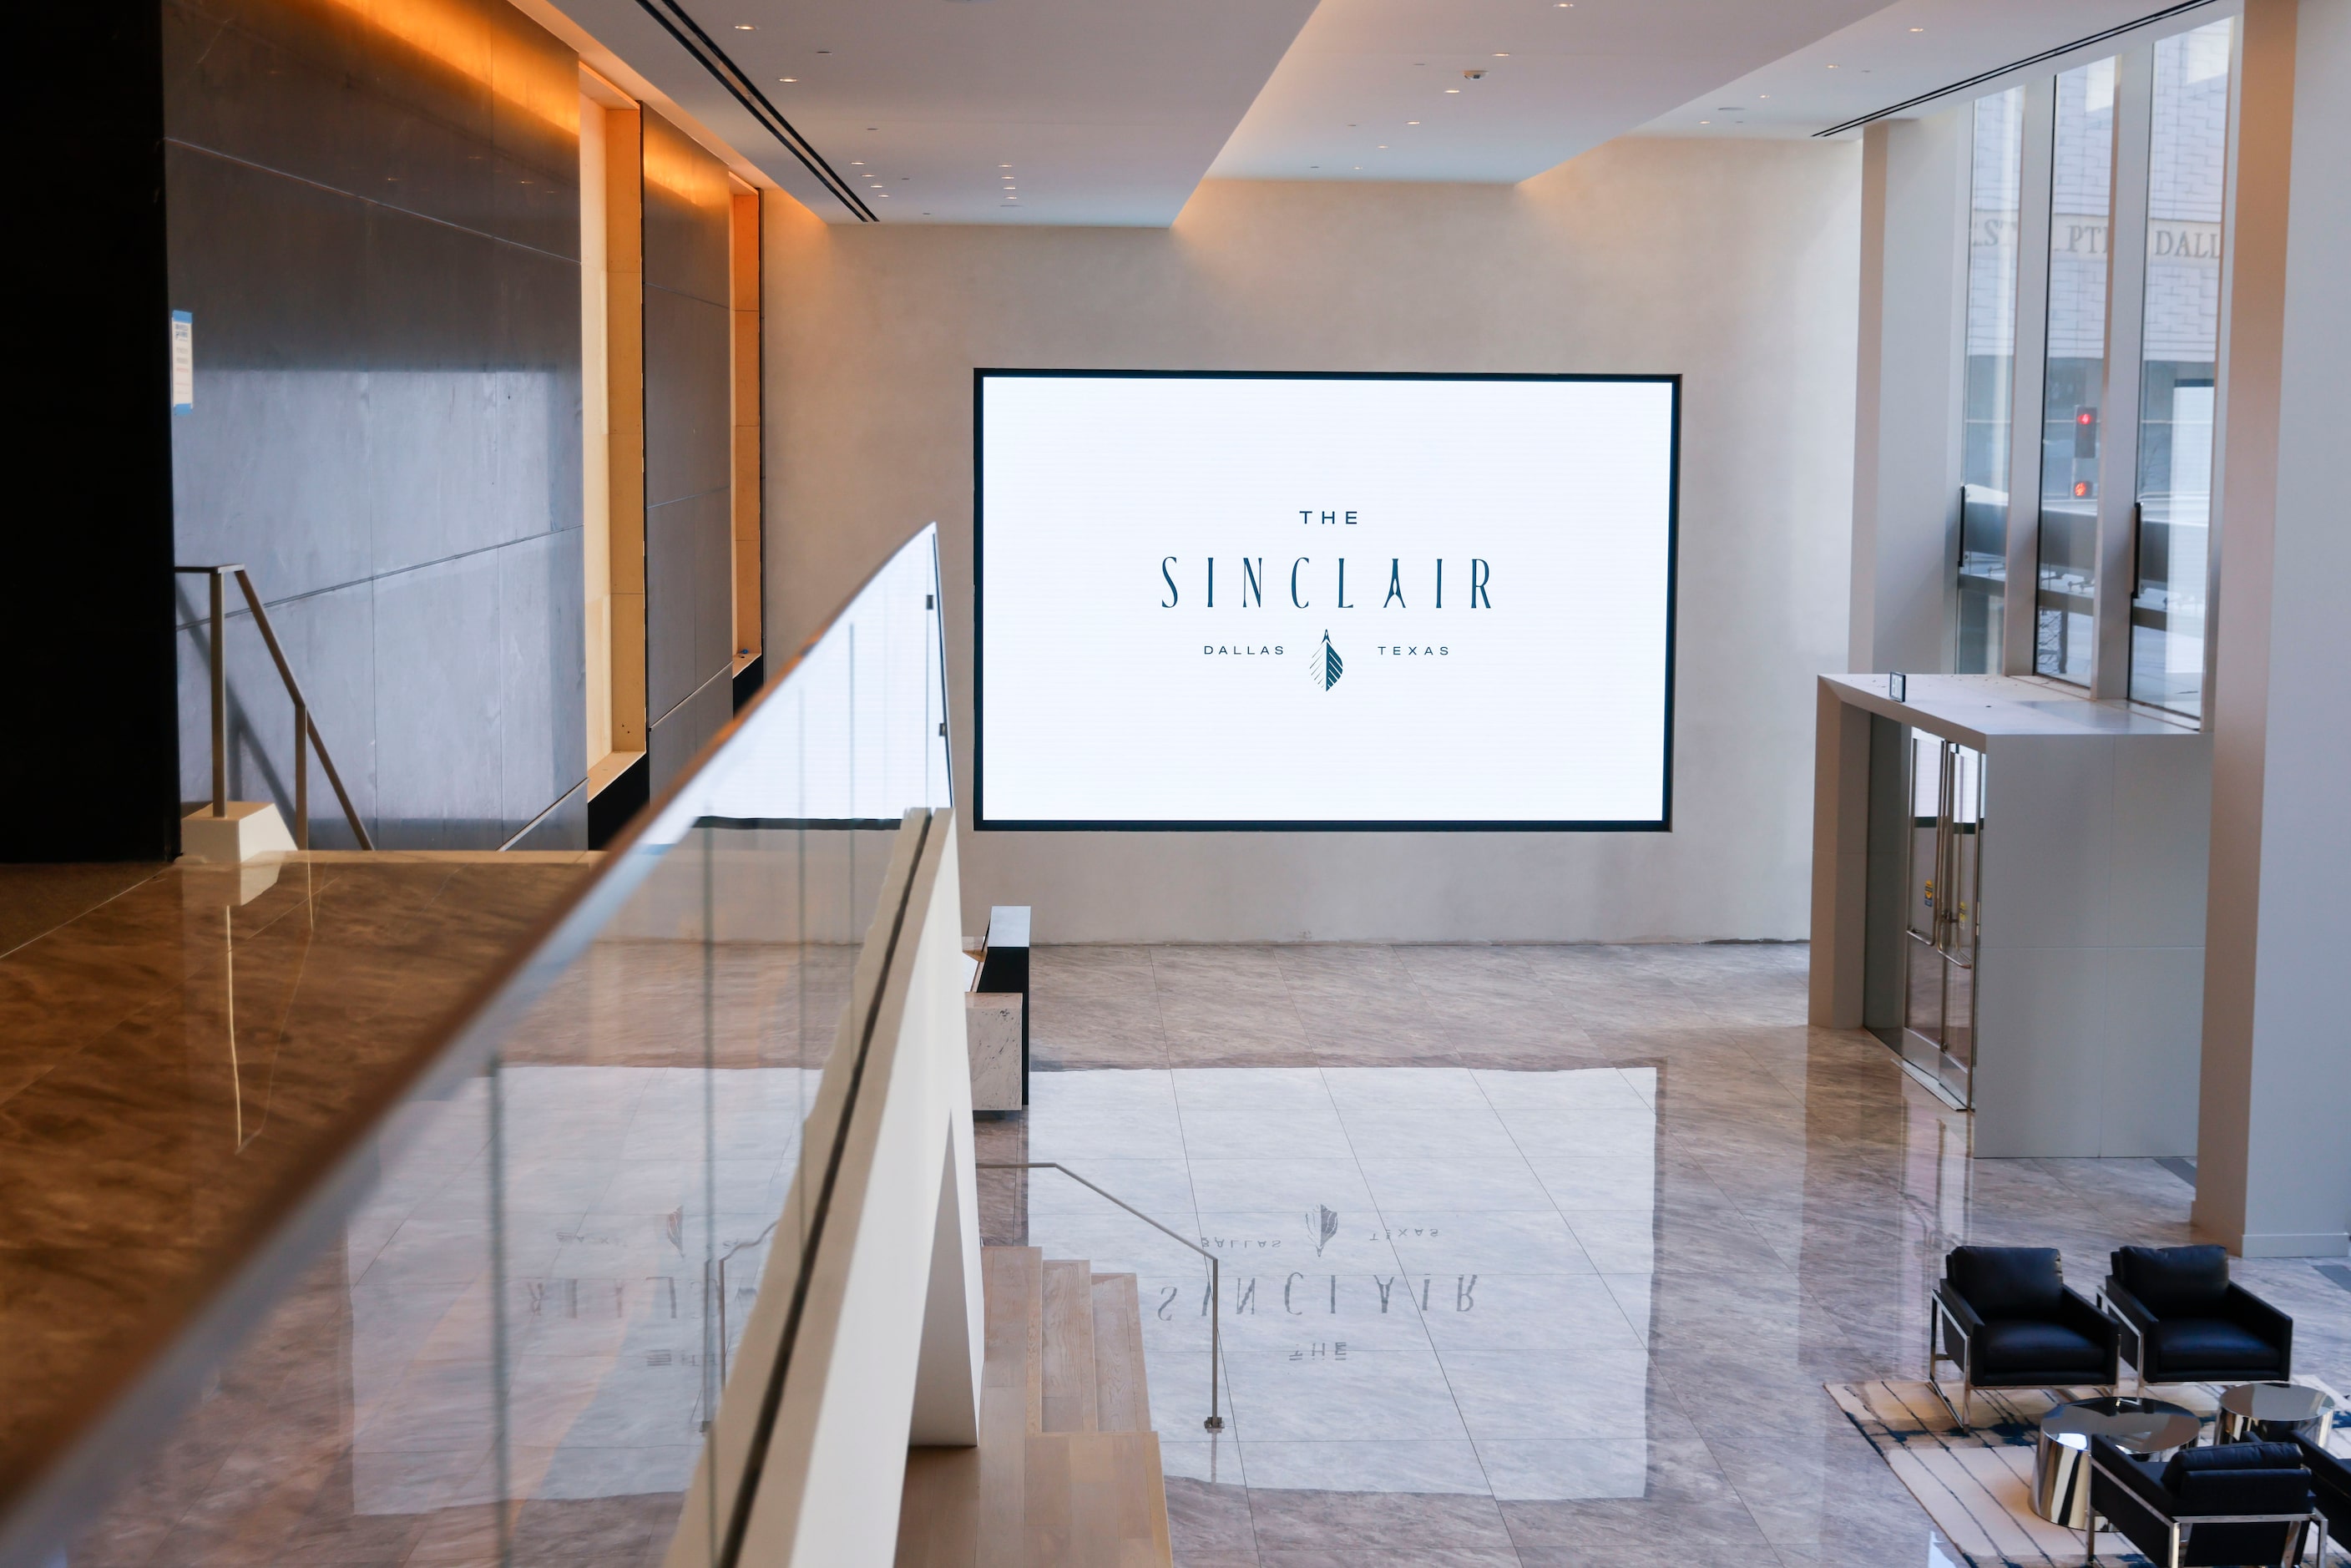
512	1340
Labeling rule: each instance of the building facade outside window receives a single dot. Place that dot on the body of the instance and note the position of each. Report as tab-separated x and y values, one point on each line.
2187	170
2074	376
1995	181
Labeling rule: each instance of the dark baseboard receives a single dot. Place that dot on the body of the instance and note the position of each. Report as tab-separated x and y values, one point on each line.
611	808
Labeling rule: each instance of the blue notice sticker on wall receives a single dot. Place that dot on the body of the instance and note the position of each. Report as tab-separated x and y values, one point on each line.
183	363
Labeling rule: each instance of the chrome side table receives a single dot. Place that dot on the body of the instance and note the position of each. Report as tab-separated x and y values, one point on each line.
2273	1413
2146	1428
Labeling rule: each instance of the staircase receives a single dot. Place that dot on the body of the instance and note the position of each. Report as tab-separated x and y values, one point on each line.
1067	1470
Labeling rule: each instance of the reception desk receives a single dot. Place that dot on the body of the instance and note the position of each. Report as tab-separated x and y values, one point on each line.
2054	982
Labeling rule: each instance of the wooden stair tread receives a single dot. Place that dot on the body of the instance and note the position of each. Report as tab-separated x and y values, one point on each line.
1121	1400
1069	1348
1031	1497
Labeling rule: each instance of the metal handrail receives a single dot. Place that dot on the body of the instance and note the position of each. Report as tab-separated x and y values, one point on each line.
305	728
1216	1422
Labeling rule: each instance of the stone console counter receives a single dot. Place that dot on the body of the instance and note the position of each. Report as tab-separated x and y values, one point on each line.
2088	901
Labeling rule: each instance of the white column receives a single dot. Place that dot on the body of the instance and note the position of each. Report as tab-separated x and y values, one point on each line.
1906	501
2273	1177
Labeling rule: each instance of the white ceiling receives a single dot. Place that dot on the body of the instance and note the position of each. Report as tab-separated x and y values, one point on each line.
1111	111
1910	48
1108	111
1560	78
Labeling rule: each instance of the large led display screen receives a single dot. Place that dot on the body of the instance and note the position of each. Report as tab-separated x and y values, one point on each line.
1284	601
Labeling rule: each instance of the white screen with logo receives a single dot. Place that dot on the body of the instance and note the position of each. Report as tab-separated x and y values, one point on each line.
1324	601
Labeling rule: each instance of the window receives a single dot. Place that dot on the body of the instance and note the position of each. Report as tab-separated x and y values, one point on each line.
2187	163
1995	183
2081	208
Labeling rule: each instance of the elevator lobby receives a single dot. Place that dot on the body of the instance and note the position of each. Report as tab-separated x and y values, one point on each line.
1048	783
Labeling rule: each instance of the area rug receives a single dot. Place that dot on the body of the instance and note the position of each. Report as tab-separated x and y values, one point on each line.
1977	1486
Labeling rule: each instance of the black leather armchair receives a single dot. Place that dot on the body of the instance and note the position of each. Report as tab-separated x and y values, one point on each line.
2330	1478
2004	1317
2183	1322
2234	1504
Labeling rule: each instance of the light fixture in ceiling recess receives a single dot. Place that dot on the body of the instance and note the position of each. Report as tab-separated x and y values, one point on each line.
1453	89
1411	122
1918	29
743	28
787	79
1500	55
1477	75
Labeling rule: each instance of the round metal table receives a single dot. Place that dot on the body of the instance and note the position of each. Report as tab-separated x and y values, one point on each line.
2273	1413
2147	1429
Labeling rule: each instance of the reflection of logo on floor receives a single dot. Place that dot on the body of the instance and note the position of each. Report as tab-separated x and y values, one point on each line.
1328	665
1325	1222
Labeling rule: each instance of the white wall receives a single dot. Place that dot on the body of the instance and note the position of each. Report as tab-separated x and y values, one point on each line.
1911	370
1734	263
2273	1173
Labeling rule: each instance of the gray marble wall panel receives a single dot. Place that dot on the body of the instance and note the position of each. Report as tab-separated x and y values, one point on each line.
674	737
543	696
380	249
687	207
689	602
686	397
440	769
320	91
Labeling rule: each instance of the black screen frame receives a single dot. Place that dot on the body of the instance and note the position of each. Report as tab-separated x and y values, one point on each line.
982	823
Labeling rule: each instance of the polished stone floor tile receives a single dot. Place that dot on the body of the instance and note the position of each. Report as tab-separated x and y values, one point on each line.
1590	1227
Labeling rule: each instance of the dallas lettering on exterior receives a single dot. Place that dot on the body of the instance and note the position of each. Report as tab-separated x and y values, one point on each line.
1323	602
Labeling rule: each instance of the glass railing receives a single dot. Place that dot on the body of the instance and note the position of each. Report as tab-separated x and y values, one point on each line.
495	1327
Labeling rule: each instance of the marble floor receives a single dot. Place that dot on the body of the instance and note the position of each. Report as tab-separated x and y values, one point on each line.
1530	1255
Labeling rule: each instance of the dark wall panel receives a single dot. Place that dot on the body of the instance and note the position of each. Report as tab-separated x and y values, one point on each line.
378	237
91	766
689	631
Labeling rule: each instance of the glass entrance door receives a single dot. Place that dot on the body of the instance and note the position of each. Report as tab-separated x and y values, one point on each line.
1942	911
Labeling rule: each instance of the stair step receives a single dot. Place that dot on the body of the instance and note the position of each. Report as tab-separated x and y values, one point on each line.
1121	1400
1031	1497
1013	1281
1070	1348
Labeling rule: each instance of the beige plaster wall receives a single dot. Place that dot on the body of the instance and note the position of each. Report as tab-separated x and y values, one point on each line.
1733	264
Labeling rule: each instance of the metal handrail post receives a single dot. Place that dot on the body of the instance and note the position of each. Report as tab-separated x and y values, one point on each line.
220	700
301	774
304	723
1216	1421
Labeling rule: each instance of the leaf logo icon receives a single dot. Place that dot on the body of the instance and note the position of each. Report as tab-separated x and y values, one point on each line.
1328	665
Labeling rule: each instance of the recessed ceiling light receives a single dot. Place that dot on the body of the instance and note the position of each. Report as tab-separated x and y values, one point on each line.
1833	68
1762	95
824	51
787	79
857	162
1918	29
743	27
1706	122
1453	89
1004	165
1501	57
1411	122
